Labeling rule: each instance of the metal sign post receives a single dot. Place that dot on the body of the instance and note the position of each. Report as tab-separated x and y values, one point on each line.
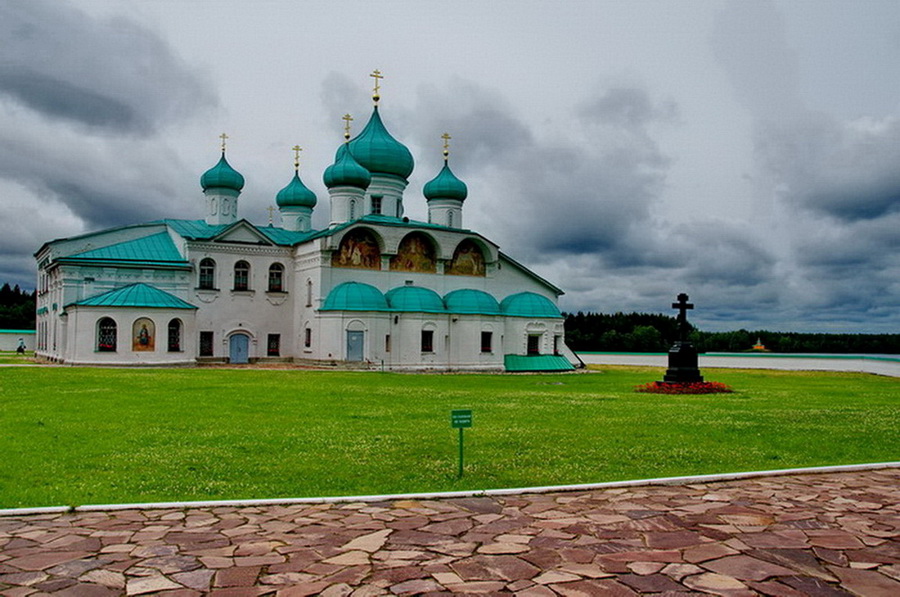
460	419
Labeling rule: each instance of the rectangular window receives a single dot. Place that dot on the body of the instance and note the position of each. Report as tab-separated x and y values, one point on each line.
307	338
387	343
206	344
376	204
487	339
556	341
273	345
427	341
534	344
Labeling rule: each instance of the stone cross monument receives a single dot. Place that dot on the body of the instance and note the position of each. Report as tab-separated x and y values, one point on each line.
683	356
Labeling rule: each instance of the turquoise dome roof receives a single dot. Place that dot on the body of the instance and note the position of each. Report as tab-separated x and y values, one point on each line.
415	299
529	304
471	301
346	171
355	296
222	176
378	152
295	194
445	186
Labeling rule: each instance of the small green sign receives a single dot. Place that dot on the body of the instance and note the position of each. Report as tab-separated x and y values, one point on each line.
460	419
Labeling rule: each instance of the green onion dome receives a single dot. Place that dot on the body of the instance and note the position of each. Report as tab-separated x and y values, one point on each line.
415	299
471	301
378	152
295	194
445	186
346	171
355	296
529	304
222	176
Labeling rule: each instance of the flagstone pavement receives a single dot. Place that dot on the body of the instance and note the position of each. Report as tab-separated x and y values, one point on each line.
804	534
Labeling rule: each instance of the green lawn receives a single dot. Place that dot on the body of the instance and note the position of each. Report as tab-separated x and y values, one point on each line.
71	436
8	357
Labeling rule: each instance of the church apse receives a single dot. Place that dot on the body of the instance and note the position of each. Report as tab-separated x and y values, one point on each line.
468	260
358	249
415	254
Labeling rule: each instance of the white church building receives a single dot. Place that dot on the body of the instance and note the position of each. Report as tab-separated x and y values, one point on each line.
374	289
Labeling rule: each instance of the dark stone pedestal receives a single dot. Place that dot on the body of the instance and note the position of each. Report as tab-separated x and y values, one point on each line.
683	364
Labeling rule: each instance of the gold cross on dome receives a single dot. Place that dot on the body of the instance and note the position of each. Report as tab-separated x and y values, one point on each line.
376	74
446	137
271	211
223	137
347	120
297	149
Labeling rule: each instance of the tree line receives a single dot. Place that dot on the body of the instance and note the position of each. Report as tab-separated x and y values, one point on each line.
649	332
16	308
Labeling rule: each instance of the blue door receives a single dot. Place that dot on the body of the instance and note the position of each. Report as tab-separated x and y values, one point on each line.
238	349
354	346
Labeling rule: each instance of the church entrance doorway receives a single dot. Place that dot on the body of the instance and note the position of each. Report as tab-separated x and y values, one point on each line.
354	345
238	349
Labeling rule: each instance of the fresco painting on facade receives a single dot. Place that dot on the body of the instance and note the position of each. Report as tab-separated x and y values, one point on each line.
358	249
468	260
143	335
415	254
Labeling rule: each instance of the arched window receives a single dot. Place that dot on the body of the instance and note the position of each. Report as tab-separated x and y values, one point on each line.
309	293
207	274
175	335
276	278
242	275
450	219
106	335
352	210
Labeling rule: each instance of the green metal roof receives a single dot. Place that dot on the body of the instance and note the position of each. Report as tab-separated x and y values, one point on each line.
529	304
195	229
156	247
540	362
136	295
355	296
471	301
222	176
445	186
295	194
346	171
415	299
378	152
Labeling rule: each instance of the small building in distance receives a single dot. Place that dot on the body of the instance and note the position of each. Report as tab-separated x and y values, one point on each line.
372	289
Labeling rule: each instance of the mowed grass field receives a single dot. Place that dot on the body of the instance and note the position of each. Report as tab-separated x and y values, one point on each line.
73	436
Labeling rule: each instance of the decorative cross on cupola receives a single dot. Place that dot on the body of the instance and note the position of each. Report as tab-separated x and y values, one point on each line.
446	137
223	137
347	120
297	149
376	74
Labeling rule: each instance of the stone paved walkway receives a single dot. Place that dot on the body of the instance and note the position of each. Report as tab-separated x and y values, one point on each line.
814	534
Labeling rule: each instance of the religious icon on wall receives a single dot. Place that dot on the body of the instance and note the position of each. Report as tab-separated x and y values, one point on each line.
143	336
358	249
415	254
468	260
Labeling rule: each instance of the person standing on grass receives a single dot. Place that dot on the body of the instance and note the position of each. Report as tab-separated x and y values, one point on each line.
20	349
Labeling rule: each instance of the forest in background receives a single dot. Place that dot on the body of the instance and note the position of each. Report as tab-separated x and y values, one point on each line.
16	308
648	332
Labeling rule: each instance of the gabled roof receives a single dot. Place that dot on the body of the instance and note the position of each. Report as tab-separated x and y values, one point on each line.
135	295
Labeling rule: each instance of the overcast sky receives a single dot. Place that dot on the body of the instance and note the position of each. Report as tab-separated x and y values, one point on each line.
744	152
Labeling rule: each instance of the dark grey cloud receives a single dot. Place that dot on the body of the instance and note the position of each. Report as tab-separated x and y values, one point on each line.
104	75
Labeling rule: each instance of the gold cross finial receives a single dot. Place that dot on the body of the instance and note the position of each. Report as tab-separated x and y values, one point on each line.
347	120
271	211
376	74
446	137
223	137
297	151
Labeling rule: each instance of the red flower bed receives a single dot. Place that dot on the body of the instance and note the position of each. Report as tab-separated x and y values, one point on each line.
698	387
